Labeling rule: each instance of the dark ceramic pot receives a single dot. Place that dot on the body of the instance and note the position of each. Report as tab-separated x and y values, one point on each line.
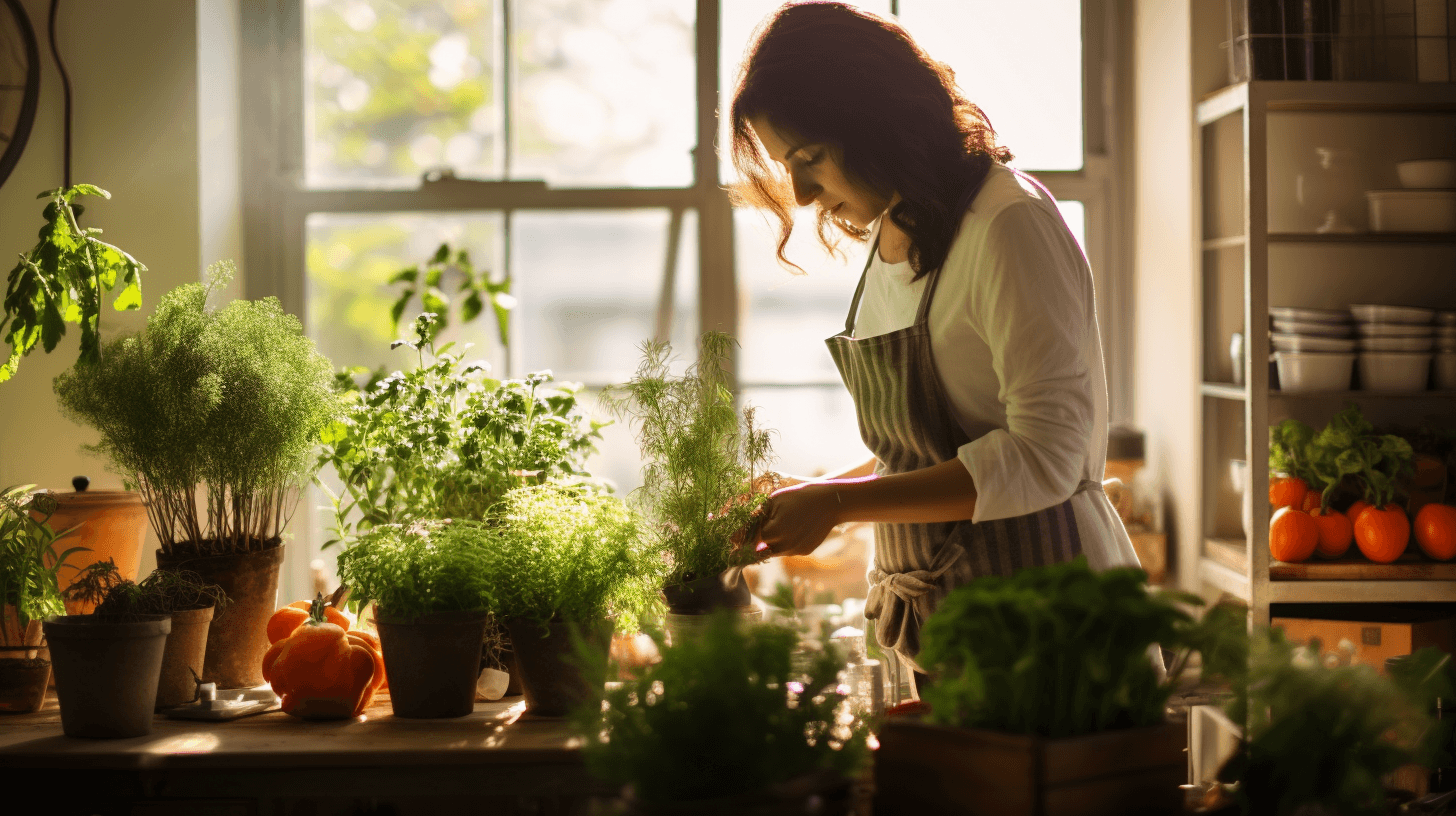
432	661
553	676
703	595
106	673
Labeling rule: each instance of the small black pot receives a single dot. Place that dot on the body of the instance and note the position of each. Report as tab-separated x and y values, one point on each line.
24	675
707	594
552	676
432	661
107	673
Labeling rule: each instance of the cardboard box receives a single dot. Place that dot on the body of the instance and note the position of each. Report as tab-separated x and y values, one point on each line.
1373	632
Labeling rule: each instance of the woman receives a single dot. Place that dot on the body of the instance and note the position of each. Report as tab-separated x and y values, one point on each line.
971	348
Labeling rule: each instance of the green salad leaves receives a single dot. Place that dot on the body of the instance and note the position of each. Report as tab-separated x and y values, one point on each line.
1348	447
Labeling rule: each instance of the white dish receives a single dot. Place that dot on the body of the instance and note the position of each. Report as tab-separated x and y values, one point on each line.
1446	319
1315	329
1380	371
1394	330
1445	369
1310	315
1306	371
1376	313
1405	344
1427	173
1306	342
1412	210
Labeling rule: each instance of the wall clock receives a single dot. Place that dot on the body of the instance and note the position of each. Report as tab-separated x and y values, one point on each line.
19	83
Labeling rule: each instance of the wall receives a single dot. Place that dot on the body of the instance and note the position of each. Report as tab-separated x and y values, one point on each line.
134	75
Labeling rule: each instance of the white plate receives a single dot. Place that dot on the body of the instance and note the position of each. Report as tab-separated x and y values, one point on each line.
1393	330
1376	313
1310	315
1305	342
1406	344
1316	329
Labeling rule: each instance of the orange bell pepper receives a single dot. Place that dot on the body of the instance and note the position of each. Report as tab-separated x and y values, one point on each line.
286	620
320	672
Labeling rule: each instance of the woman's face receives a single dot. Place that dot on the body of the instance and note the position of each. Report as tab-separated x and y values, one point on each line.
818	177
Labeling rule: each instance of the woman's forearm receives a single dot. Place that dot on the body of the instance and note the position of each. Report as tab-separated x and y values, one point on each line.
943	492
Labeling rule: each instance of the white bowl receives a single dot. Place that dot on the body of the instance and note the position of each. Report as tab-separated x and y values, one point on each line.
1406	344
1305	342
1310	315
1412	210
1446	331
1394	330
1445	345
1388	371
1446	319
1313	371
1427	173
1376	313
1445	368
1315	329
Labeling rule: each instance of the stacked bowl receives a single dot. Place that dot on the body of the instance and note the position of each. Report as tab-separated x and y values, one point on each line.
1445	374
1395	346
1314	349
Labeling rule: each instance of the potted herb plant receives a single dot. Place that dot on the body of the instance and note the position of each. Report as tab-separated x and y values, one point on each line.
225	404
1043	694
429	583
705	474
725	724
567	564
29	593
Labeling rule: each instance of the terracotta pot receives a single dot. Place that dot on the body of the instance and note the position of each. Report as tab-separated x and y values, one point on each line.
432	661
552	677
186	650
109	523
24	675
238	636
106	673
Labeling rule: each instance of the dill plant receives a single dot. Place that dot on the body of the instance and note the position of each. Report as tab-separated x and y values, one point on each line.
722	715
705	470
409	570
571	554
225	403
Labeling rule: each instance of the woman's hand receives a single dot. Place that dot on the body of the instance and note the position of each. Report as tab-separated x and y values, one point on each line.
797	519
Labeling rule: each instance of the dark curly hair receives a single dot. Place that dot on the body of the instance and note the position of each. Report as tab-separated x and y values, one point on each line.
832	74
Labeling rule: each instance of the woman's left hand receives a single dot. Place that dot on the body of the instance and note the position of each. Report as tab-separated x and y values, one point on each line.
797	519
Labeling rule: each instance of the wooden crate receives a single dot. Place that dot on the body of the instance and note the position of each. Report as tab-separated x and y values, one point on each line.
925	769
1372	634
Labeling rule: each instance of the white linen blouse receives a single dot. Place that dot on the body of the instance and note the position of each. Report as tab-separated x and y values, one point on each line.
1014	335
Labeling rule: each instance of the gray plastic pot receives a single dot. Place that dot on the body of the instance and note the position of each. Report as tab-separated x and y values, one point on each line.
186	649
106	673
432	662
552	677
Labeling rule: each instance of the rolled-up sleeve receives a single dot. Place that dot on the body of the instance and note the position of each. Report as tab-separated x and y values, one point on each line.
1031	302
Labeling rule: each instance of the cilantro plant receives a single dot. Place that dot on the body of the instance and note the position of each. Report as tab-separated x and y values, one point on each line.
476	287
445	440
224	403
722	715
1061	650
62	281
28	567
572	554
1348	448
705	473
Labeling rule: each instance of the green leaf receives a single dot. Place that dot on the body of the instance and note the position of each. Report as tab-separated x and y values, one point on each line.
471	307
441	255
408	275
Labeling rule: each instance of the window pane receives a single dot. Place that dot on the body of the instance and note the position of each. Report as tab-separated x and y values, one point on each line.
1021	62
1075	214
815	427
588	284
396	87
603	92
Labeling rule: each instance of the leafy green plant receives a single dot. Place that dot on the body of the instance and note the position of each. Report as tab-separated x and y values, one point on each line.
720	715
476	287
1061	650
705	474
409	570
28	565
62	281
572	554
1348	447
230	399
1324	735
163	592
446	441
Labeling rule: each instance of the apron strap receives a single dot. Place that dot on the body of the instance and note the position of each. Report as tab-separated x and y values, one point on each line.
853	315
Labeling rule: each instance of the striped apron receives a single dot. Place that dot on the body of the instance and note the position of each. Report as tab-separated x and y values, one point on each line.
905	420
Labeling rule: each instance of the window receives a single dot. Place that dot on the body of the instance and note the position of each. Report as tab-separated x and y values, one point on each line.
560	140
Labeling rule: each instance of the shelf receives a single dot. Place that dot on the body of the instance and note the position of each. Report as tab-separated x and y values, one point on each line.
1226	242
1355	567
1227	391
1220	577
1358	395
1361	592
1230	552
1361	238
1329	97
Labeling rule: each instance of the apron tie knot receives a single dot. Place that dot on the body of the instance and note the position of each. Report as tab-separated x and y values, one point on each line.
907	586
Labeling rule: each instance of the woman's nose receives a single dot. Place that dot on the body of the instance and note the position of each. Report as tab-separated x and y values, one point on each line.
805	190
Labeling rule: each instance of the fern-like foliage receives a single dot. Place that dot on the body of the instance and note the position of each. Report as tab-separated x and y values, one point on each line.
409	570
225	403
702	482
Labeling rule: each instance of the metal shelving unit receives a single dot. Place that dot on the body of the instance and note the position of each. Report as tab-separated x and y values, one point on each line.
1236	159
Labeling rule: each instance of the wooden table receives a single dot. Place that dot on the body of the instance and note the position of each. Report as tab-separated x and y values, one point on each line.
497	760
